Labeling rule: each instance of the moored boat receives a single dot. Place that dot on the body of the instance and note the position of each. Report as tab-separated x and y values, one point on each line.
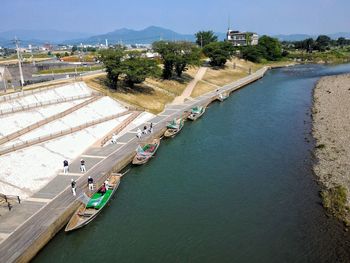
223	96
144	153
196	112
88	211
174	127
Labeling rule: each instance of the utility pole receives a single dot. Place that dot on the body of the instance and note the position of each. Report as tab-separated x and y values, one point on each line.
201	41
19	62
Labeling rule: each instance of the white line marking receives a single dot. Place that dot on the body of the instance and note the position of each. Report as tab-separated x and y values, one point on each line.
93	156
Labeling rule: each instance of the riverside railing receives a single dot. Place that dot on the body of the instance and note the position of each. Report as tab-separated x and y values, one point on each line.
45	103
36	125
121	127
25	144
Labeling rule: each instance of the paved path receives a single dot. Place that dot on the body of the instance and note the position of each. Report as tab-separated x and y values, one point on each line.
26	229
188	91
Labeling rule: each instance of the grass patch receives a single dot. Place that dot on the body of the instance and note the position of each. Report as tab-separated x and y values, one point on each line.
202	88
143	96
320	146
69	70
334	200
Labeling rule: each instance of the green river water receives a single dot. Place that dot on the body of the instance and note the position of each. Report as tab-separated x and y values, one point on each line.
234	186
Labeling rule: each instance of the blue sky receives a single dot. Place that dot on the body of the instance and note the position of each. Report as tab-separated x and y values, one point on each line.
183	16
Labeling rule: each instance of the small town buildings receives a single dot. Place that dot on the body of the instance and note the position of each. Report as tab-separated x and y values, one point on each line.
242	38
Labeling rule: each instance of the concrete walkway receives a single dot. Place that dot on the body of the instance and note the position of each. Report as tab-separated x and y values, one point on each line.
30	225
188	91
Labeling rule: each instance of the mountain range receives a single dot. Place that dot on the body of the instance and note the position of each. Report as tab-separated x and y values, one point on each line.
124	35
298	37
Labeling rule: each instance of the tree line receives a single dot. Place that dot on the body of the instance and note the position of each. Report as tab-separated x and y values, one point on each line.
321	43
133	67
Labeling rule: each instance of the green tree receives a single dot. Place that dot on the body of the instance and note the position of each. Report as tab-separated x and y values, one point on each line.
203	38
176	56
137	68
270	48
74	48
322	42
218	52
252	53
341	41
112	59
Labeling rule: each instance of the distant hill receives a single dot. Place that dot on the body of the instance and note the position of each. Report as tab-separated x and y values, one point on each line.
53	36
130	36
299	37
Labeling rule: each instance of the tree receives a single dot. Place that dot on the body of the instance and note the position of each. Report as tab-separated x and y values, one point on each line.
322	42
176	56
74	48
270	48
186	54
252	53
218	52
341	41
137	68
112	59
203	38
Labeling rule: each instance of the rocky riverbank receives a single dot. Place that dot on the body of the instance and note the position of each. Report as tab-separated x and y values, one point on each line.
331	129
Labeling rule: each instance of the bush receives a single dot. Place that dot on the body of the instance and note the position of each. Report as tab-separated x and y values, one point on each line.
334	200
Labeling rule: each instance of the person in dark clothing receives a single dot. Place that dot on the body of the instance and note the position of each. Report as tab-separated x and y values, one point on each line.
82	166
73	185
65	166
91	183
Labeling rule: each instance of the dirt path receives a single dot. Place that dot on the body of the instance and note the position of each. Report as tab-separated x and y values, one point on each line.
188	91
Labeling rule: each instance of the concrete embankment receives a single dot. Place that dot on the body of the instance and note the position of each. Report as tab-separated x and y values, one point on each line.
33	234
331	129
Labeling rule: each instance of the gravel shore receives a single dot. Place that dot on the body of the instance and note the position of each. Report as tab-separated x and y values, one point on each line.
331	129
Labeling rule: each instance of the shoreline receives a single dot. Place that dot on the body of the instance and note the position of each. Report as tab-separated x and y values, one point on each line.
331	132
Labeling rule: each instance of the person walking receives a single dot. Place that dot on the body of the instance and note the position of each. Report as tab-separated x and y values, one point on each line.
91	183
65	166
145	131
107	184
82	166
138	133
73	185
151	128
114	138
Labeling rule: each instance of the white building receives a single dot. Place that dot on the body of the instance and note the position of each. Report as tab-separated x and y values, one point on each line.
242	38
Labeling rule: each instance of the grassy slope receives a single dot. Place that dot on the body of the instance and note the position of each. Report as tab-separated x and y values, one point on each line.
151	95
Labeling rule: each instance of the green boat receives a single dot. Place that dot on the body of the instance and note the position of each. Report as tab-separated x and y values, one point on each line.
196	112
174	127
87	212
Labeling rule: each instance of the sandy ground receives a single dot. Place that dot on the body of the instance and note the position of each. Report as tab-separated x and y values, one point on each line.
331	129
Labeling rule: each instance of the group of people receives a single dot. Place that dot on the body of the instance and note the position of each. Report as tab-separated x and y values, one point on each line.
146	130
90	182
66	166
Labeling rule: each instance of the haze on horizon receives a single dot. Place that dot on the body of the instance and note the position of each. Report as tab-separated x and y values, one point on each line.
97	17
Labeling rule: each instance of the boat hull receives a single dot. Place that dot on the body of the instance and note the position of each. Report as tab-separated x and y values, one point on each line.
139	161
81	218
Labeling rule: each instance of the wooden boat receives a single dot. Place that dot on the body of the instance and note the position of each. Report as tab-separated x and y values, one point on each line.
174	127
88	212
196	112
223	96
144	153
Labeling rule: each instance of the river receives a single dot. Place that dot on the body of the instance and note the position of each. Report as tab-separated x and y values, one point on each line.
234	186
